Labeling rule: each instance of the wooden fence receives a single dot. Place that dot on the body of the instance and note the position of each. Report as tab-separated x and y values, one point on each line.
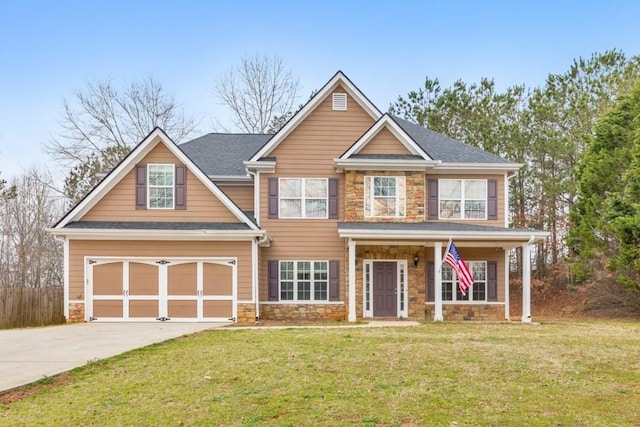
22	306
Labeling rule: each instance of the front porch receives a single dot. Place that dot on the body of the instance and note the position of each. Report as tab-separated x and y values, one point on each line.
403	277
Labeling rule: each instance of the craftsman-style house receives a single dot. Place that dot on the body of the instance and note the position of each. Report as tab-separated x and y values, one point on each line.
343	213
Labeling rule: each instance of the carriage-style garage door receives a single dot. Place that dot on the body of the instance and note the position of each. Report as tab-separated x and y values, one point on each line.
159	289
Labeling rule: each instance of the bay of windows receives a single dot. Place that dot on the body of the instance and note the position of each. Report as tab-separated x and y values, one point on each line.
304	281
463	198
303	197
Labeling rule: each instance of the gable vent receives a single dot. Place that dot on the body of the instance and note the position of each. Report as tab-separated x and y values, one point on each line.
340	102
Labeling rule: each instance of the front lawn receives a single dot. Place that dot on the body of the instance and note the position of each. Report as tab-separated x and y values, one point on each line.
580	373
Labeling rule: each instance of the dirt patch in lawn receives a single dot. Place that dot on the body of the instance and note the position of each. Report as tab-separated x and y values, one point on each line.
48	383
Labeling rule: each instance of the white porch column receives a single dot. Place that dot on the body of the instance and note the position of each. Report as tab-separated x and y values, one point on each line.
437	264
526	283
352	281
507	309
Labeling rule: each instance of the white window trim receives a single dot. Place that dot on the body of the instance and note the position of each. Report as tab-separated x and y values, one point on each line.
463	199
402	281
369	193
469	291
173	186
303	200
295	299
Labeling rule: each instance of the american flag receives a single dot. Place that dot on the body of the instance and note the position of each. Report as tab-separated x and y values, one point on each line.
453	258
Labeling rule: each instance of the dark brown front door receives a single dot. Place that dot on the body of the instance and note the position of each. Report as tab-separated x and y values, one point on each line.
385	288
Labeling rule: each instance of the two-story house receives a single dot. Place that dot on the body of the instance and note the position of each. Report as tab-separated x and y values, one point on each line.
343	213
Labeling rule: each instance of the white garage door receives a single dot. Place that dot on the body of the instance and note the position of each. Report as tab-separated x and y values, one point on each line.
158	289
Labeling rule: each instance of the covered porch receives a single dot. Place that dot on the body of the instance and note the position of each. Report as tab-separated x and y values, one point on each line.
394	270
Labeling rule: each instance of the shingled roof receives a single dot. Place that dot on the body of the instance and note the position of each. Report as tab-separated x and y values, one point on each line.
441	147
223	154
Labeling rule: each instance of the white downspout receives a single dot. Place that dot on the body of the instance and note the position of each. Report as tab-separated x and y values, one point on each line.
254	274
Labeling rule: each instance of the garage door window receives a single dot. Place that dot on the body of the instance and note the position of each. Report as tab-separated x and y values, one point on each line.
160	187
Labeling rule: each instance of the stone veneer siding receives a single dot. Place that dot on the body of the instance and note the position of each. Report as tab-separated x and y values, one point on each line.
416	276
354	196
246	313
459	312
303	311
76	312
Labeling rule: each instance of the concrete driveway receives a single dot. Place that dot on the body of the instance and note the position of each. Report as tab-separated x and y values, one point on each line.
26	355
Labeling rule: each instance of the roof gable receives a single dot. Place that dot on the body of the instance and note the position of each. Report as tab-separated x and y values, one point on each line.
401	136
339	79
139	152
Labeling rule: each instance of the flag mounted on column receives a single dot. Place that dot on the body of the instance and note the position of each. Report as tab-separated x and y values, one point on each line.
452	258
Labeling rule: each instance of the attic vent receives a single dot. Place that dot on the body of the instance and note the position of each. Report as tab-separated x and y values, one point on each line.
340	101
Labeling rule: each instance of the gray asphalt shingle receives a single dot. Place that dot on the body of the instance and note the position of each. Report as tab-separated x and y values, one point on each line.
425	226
146	225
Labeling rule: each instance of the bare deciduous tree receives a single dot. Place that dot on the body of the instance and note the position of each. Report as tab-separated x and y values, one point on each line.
29	256
102	123
257	91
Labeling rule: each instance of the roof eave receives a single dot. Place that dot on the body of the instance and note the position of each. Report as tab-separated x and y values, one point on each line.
384	164
457	167
521	236
120	234
260	166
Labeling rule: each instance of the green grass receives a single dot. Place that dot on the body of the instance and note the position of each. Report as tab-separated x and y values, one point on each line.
566	374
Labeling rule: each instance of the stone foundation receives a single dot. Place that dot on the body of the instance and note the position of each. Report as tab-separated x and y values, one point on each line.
76	312
460	312
307	312
246	313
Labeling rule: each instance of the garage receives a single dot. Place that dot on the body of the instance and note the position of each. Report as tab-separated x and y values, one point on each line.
160	289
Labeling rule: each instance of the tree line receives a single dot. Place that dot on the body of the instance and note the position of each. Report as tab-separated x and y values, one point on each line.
576	144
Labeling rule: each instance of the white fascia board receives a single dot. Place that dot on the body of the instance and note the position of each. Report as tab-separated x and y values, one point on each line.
397	131
262	166
455	168
384	164
338	79
245	179
522	236
118	234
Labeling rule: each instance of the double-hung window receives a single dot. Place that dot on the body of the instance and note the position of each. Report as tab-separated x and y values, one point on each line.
463	198
160	187
477	292
303	197
304	281
384	196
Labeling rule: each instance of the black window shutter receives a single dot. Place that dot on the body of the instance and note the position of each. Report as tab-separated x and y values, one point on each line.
181	187
273	197
334	280
492	281
273	280
431	281
141	186
433	198
333	198
492	199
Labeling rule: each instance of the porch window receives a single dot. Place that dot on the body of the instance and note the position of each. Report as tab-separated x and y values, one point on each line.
384	196
451	290
160	187
463	198
304	281
303	198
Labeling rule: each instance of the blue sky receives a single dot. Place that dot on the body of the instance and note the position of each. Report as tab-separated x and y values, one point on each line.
49	49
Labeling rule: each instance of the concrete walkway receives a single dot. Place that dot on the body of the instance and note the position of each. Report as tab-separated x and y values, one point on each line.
27	355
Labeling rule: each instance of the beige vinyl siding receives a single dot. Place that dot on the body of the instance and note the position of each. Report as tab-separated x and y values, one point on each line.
119	203
78	249
241	195
500	178
308	152
384	143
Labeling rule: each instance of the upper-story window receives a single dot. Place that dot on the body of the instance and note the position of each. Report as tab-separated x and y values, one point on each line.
463	198
303	197
160	187
384	196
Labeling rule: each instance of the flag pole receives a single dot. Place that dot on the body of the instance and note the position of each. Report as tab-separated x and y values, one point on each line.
445	252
